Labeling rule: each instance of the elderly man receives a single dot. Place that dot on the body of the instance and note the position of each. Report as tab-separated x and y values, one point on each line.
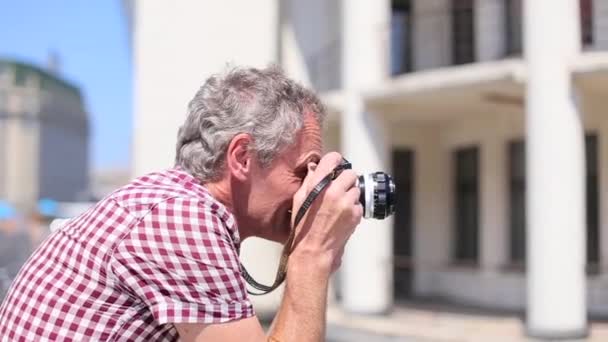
158	258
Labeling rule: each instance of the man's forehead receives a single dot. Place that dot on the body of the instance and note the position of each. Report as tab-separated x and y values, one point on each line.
310	135
308	145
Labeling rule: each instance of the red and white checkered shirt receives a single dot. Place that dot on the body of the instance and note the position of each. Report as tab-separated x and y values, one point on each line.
160	250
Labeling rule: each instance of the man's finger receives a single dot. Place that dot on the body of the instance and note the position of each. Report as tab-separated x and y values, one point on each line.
327	164
316	172
346	180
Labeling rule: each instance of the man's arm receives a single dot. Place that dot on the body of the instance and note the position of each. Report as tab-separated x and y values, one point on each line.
319	245
247	329
301	315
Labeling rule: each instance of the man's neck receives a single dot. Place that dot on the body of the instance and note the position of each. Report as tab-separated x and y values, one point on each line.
223	192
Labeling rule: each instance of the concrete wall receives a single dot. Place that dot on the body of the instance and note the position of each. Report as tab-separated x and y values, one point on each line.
310	52
176	46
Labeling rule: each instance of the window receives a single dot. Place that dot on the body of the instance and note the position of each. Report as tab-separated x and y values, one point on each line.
463	32
517	201
591	153
586	8
401	45
466	166
403	273
513	29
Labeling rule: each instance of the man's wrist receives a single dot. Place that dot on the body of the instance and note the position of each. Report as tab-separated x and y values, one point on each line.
310	263
302	311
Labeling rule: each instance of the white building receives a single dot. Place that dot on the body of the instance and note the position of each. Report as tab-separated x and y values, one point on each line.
433	91
44	136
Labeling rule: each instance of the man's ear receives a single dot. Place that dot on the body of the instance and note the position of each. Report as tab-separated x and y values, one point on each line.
239	157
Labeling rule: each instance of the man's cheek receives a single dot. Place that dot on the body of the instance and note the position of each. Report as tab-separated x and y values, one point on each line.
298	195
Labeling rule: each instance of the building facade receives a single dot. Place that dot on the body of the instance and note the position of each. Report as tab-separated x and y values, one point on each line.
434	91
44	137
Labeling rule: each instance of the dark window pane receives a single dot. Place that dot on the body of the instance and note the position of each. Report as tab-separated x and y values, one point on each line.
586	8
466	205
403	167
592	200
463	31
401	27
517	201
514	11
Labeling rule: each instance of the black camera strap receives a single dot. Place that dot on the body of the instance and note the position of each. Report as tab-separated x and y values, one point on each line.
288	247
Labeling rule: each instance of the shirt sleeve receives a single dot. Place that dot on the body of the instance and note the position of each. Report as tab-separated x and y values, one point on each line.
181	262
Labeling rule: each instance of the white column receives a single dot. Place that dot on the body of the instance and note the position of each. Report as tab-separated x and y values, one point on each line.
366	277
490	29
555	169
493	204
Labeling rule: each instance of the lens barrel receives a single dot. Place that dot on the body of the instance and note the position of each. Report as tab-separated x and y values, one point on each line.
377	195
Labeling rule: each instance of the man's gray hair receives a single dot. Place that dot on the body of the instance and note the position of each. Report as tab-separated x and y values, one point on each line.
261	102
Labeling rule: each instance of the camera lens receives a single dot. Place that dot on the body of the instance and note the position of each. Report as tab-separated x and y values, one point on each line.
377	195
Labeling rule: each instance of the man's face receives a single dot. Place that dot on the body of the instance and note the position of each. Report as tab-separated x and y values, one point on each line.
273	188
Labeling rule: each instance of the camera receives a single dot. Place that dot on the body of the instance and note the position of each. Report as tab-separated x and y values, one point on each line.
377	192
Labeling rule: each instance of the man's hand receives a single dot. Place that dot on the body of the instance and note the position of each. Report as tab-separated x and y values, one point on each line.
331	219
318	247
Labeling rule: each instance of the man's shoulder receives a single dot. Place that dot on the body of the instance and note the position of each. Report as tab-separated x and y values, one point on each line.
177	213
174	196
145	192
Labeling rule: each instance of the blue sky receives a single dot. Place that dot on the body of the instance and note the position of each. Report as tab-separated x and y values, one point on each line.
92	40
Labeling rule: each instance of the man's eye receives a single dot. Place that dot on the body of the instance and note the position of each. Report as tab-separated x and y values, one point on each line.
301	173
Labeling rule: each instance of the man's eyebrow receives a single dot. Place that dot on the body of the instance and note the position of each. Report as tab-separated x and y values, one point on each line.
313	158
